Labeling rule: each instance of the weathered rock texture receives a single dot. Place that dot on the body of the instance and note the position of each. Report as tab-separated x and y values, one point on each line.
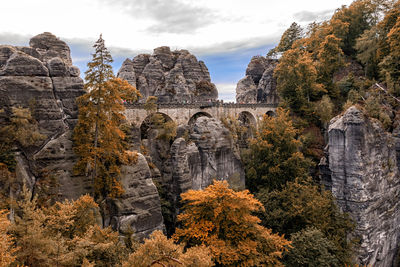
363	173
42	76
259	84
138	210
213	155
171	76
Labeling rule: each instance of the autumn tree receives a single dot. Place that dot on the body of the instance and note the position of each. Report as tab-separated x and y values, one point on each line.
6	245
98	136
158	250
222	219
274	157
297	84
28	233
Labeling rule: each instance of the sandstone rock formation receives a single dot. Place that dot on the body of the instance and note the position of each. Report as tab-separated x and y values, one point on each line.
42	77
259	85
169	75
213	155
362	171
138	210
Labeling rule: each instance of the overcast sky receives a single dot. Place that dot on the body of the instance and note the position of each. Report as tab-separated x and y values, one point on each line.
225	34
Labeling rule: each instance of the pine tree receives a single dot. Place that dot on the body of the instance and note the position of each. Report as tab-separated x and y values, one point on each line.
223	220
98	136
293	33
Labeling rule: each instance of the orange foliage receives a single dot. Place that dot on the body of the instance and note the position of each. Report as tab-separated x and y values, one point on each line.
222	219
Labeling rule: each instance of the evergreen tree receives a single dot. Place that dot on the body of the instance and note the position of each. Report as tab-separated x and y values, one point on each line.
293	33
98	136
300	205
311	248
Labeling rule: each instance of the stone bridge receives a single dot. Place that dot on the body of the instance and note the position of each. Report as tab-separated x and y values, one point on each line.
184	114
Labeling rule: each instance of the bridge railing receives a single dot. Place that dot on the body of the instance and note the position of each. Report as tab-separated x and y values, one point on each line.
200	105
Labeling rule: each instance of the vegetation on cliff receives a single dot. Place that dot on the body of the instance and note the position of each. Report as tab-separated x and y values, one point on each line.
99	136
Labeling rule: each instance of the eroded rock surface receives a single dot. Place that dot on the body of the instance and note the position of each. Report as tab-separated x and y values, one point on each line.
362	172
138	210
170	75
259	85
41	77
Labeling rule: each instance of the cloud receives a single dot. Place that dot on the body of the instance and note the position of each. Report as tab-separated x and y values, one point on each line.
309	16
8	38
172	16
234	46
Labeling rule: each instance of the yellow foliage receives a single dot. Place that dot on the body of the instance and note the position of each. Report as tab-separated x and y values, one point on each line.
6	246
158	250
222	219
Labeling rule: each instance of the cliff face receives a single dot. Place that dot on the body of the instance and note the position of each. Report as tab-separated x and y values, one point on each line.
171	76
363	173
42	76
259	85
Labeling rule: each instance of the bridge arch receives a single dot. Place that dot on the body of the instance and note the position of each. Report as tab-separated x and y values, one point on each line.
270	113
150	120
197	115
246	118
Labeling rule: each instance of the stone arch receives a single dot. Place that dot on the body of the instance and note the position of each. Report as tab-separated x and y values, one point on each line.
197	115
270	113
144	126
246	118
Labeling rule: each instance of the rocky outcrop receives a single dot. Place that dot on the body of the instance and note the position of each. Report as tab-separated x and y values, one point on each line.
213	155
362	171
169	75
259	84
138	210
43	78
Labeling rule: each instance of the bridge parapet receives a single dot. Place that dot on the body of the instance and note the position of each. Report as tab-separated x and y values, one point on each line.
202	105
183	113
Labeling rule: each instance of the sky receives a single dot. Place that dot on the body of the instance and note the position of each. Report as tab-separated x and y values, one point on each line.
225	34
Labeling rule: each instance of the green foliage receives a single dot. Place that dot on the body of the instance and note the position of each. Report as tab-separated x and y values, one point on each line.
293	33
376	108
274	157
324	109
300	205
311	248
151	104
